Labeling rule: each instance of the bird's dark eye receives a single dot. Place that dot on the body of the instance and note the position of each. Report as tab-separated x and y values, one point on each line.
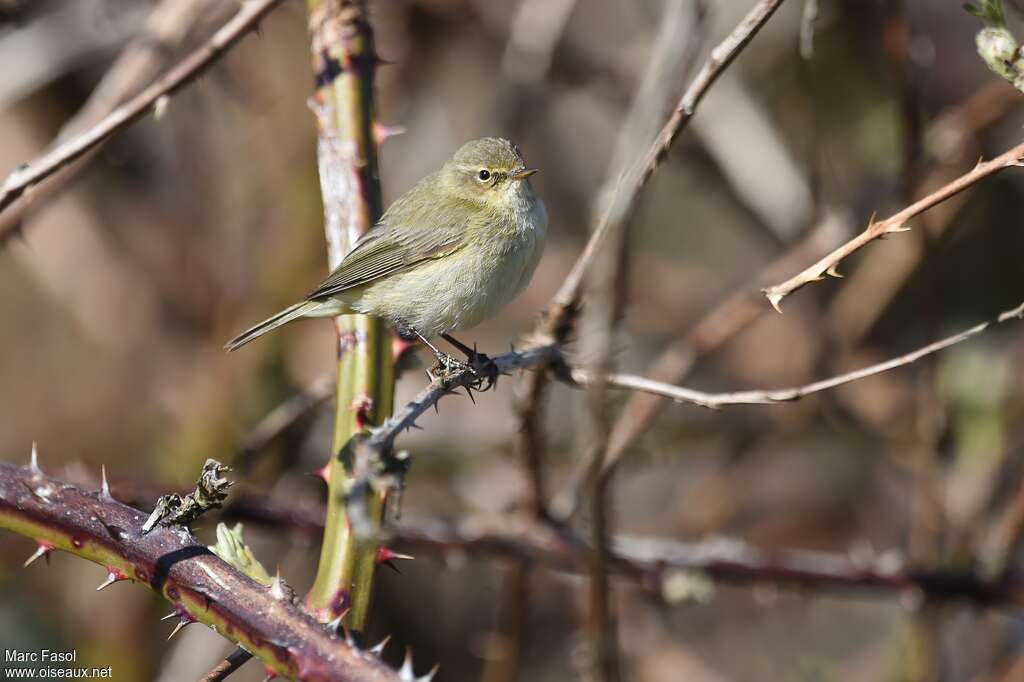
484	175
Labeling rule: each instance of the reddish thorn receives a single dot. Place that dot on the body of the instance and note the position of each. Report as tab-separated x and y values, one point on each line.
400	347
382	132
113	575
181	623
387	557
324	472
362	406
43	550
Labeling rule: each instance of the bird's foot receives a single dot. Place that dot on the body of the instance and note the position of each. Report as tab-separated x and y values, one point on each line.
446	368
480	364
484	368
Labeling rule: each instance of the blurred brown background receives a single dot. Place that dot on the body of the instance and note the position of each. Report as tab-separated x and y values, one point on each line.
186	229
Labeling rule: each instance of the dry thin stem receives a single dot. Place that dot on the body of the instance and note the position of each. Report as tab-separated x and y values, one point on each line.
606	294
168	25
719	60
897	223
24	178
769	397
651	561
235	660
659	564
648	560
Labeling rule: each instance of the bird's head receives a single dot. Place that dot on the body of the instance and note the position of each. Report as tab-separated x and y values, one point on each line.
489	171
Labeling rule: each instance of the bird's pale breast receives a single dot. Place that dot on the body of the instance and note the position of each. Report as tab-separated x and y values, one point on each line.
469	287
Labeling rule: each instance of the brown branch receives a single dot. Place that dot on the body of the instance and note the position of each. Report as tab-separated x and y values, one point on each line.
649	561
646	561
897	223
719	60
170	561
21	182
382	439
769	397
235	660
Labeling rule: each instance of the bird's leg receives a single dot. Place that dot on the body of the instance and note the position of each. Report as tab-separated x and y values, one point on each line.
480	363
446	366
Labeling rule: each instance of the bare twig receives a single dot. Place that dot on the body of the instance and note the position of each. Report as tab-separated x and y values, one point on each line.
382	439
285	415
235	660
200	585
762	397
897	223
649	561
25	177
720	59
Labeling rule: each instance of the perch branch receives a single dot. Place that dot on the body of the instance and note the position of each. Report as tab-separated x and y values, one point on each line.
25	177
170	561
897	223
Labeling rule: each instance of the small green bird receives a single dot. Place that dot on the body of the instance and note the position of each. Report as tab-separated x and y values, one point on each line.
447	255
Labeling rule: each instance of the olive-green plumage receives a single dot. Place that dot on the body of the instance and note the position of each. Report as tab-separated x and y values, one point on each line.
447	255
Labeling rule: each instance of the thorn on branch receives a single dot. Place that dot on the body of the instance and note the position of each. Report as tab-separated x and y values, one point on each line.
43	550
183	620
104	486
33	462
378	650
113	575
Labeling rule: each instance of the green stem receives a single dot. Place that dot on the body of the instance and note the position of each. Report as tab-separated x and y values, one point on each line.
344	61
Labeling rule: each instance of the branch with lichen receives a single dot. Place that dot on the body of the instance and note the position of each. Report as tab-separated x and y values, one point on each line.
344	61
169	560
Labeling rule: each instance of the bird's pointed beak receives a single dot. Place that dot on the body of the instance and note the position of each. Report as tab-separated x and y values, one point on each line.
523	173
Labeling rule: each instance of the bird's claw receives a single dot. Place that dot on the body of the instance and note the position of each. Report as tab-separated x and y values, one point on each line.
483	369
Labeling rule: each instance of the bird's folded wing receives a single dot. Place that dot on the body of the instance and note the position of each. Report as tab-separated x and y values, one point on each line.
383	251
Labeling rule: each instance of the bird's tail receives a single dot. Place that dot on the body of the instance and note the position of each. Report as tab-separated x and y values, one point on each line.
303	309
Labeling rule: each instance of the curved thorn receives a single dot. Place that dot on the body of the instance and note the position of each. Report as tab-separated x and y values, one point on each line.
406	672
111	579
430	675
379	648
181	623
104	486
33	463
41	551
